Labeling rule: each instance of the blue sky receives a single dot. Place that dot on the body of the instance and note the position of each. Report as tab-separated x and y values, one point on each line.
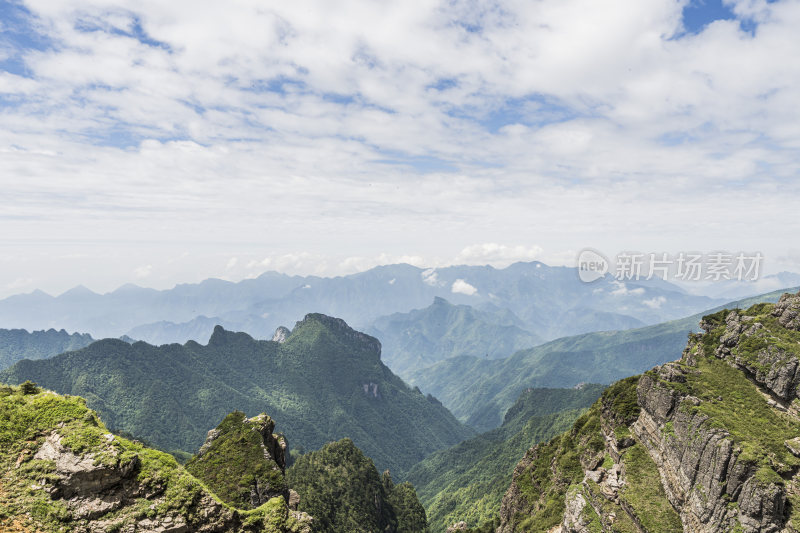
163	142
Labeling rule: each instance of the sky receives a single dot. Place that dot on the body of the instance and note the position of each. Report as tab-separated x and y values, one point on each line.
163	142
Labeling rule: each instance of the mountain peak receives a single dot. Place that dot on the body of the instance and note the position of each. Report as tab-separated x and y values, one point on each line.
78	290
281	334
438	300
222	336
255	460
339	329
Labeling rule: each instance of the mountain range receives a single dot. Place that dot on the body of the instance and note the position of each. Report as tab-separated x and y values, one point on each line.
551	302
323	382
422	337
479	391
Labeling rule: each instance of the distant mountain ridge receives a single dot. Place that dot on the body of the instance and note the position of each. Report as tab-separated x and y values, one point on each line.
551	301
478	391
324	382
18	344
423	337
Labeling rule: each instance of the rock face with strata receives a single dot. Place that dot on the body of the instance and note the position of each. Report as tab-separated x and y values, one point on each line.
717	454
699	464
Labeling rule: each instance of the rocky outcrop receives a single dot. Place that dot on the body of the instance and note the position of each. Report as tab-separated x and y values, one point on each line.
712	444
787	310
747	343
62	470
514	503
699	464
253	459
106	483
281	334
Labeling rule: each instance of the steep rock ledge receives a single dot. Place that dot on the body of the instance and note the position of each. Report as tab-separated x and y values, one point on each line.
709	443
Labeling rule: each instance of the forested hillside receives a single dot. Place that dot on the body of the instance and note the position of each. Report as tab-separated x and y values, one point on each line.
323	383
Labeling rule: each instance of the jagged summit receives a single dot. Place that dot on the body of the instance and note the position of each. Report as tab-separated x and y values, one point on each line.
221	336
312	323
243	461
705	444
281	334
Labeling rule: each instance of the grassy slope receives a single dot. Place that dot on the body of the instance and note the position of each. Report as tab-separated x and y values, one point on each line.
554	468
467	482
731	401
25	421
172	395
479	391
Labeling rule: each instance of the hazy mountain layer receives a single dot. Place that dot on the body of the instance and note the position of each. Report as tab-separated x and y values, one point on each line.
422	337
551	301
479	391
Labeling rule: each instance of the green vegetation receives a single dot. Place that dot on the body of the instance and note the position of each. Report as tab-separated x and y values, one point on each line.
326	382
620	402
715	386
645	494
234	465
478	391
553	469
18	344
744	413
341	489
467	482
163	487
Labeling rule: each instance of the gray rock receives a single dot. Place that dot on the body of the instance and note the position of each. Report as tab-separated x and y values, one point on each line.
281	334
787	310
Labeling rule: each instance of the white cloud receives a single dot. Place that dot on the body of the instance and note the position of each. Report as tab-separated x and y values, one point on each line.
430	276
623	290
495	253
655	303
462	287
143	271
550	108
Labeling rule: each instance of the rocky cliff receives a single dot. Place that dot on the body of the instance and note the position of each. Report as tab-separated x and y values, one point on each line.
62	470
243	461
709	443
